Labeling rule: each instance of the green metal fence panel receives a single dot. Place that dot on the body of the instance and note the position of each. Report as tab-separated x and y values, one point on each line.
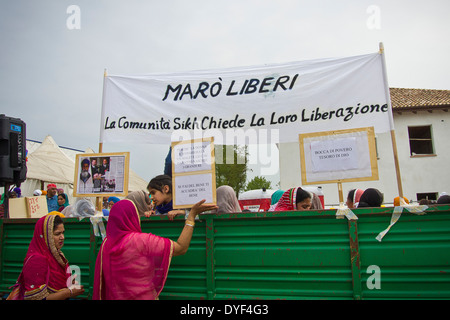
286	256
413	259
14	245
276	255
187	273
80	250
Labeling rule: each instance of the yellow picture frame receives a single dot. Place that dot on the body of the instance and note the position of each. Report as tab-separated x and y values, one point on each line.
195	181
109	180
305	140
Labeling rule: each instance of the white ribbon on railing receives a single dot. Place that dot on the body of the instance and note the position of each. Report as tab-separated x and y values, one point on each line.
343	210
413	208
98	226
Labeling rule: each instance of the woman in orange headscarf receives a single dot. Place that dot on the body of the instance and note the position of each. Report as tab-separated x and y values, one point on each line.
397	201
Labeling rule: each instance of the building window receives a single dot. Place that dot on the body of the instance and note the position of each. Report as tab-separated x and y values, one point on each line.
429	196
420	141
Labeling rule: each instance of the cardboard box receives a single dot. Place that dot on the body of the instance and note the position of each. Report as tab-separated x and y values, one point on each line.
36	206
28	207
18	208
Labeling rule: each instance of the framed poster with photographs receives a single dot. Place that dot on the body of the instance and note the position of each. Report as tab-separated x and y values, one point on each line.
101	174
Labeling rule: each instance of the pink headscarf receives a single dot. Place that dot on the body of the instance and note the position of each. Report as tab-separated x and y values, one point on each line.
356	196
45	267
130	265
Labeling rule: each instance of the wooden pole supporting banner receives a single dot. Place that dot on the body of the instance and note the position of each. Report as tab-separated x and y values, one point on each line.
99	201
397	165
341	192
394	143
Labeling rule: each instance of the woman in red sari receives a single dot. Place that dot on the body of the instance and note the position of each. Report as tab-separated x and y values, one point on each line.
132	265
45	273
294	199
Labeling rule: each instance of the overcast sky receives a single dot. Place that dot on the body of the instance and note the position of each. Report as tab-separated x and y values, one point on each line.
53	56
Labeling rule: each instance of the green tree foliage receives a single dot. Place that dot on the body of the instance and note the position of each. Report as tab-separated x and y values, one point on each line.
231	166
258	183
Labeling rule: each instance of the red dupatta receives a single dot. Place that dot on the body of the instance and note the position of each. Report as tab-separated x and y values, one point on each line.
130	265
287	200
45	267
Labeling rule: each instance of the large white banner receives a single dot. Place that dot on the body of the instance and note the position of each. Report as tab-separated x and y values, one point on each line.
233	105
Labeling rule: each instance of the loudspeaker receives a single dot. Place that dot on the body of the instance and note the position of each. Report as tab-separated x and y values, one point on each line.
13	166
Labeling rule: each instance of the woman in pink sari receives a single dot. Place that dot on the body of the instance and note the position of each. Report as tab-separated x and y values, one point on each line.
132	265
45	273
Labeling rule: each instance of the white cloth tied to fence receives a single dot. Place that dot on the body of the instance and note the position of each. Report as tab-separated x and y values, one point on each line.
413	208
344	211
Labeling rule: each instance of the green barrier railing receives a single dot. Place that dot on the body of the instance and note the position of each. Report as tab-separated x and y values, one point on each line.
276	255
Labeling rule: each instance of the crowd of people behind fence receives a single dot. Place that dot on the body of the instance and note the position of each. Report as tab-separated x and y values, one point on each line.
157	200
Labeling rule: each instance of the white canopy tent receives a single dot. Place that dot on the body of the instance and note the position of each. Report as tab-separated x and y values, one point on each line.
47	163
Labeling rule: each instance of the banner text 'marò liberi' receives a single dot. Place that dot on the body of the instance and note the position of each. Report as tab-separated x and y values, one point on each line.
205	89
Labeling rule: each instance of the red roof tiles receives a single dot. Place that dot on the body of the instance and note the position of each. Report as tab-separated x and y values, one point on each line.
416	99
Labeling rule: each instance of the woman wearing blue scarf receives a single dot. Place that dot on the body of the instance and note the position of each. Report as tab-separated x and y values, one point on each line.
112	201
63	201
276	196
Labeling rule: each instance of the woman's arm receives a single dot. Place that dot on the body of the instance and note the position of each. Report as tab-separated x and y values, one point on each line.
182	244
35	276
66	293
